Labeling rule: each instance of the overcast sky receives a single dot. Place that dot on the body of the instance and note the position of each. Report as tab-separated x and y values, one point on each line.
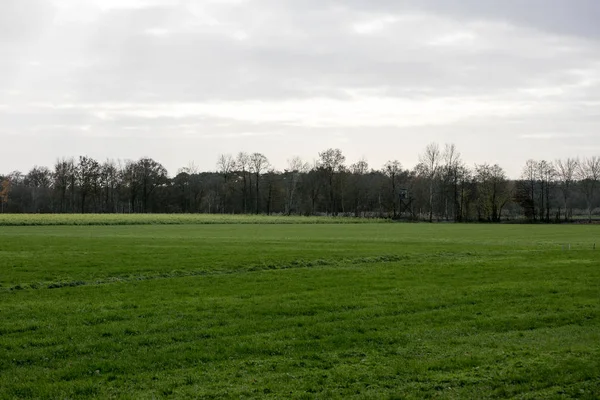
187	80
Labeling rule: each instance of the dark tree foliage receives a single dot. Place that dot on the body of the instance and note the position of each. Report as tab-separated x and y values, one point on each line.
441	187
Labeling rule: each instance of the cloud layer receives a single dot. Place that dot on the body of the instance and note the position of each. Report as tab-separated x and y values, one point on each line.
187	80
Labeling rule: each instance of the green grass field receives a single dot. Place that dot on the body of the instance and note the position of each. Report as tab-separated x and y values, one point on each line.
264	309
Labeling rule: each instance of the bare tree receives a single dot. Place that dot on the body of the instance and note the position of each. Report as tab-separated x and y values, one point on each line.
243	165
566	171
465	194
270	178
359	171
450	176
295	169
589	175
430	161
526	196
393	169
547	176
258	163
225	166
190	184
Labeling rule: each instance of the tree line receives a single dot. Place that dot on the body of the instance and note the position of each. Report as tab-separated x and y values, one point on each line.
441	187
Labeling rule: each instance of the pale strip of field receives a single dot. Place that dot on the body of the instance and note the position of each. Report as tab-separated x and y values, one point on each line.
169	219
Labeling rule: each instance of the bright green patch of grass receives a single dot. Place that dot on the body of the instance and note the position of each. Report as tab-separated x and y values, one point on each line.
300	311
61	255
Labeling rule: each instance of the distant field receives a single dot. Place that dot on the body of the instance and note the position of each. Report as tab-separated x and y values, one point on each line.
168	219
247	310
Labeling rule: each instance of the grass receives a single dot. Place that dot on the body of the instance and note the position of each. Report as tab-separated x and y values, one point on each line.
169	219
299	311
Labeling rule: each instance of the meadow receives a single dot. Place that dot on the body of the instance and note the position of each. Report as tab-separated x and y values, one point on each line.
254	307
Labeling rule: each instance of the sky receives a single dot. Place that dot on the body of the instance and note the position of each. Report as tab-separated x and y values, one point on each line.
183	81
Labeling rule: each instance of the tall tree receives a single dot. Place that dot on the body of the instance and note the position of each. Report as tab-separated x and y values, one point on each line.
494	191
315	180
466	192
451	168
430	161
243	164
547	176
332	163
38	179
109	183
359	174
589	176
258	163
151	175
392	170
181	185
130	178
88	173
225	166
5	187
566	171
527	189
64	180
272	188
295	169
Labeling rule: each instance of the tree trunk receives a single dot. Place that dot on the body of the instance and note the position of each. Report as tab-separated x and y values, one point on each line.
431	202
257	192
83	195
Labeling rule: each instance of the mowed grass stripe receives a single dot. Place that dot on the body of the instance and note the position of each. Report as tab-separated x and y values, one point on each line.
181	274
376	330
466	259
39	255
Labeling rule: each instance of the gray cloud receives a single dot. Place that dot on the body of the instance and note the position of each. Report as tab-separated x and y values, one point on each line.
577	17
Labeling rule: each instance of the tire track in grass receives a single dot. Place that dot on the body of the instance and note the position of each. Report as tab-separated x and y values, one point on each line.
295	264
